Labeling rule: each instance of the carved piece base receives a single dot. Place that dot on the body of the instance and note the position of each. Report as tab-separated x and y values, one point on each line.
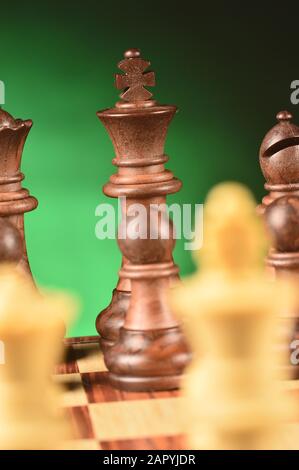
145	384
111	320
148	360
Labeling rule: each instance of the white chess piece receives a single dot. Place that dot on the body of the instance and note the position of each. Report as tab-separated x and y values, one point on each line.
31	333
230	310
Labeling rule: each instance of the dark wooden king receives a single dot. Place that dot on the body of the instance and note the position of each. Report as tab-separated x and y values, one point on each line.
144	348
279	160
15	201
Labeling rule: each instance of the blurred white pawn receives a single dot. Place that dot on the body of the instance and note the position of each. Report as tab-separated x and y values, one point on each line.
31	335
230	310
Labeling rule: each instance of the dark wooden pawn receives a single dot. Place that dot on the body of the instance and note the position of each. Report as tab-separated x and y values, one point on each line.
110	320
149	350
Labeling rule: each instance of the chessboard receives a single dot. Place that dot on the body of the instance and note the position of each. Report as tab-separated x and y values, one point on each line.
105	418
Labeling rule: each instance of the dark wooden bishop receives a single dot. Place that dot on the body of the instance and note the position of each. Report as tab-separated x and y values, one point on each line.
144	348
15	201
279	159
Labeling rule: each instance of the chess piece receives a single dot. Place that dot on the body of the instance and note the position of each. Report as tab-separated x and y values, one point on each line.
111	319
31	343
232	395
150	352
279	161
14	200
282	221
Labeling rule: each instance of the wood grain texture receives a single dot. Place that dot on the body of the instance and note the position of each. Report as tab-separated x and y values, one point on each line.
157	443
103	417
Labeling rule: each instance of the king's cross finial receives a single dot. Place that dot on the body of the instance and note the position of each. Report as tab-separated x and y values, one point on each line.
134	78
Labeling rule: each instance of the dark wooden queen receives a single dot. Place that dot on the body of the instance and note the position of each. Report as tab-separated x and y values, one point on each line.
144	348
15	201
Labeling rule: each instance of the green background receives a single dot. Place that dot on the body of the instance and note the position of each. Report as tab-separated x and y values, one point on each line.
228	69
